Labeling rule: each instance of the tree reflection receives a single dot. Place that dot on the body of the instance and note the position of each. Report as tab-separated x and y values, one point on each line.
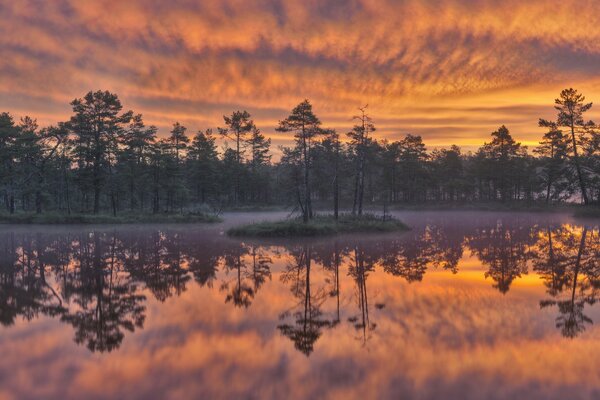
107	301
571	274
435	246
333	263
155	259
359	270
249	275
98	282
505	250
549	260
307	323
24	289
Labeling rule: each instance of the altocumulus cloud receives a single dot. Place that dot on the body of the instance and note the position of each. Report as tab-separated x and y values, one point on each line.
448	69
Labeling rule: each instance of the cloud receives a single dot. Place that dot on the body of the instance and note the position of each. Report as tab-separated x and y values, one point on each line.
404	58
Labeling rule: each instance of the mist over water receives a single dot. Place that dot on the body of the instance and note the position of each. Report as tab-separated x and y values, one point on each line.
463	306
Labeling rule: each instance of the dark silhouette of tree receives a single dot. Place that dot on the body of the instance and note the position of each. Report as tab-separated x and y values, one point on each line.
260	159
390	163
134	159
328	161
8	134
203	163
571	107
449	172
104	159
239	126
33	149
176	190
553	156
306	127
413	156
159	160
359	145
96	124
503	151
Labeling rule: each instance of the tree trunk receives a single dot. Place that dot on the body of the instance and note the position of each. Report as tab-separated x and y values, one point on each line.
38	201
307	208
580	177
548	190
336	200
113	204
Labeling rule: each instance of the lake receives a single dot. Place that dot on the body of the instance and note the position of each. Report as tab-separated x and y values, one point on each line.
464	306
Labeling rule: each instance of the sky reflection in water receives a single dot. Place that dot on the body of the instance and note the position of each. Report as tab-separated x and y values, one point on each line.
464	306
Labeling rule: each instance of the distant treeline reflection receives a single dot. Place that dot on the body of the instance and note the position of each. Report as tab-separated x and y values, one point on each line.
98	282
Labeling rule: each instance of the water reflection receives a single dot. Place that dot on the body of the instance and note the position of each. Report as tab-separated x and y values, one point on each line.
505	250
569	267
247	275
99	282
307	319
360	266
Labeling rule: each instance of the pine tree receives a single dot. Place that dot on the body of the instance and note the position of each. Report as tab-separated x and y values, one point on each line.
571	107
96	125
204	165
552	151
359	144
260	158
178	142
306	127
239	126
134	156
8	135
412	163
503	150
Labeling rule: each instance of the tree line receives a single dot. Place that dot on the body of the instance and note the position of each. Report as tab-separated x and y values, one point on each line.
105	159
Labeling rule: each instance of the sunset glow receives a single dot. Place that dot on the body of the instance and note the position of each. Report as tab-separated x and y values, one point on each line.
451	71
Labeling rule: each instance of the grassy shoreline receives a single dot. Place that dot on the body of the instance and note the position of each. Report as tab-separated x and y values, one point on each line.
587	212
125	218
499	207
319	226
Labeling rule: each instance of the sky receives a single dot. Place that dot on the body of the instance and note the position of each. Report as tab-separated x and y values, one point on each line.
451	71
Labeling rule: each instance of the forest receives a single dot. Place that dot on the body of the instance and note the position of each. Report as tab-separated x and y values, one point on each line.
107	160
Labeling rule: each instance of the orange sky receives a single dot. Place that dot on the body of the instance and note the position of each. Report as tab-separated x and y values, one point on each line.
450	70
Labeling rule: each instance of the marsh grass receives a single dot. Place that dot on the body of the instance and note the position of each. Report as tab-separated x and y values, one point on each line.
487	206
320	226
587	212
125	218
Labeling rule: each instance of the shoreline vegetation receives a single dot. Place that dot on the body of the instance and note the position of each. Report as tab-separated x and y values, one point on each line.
320	225
105	165
587	212
492	207
52	218
323	225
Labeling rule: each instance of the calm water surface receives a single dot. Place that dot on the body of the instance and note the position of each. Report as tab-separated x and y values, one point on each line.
464	306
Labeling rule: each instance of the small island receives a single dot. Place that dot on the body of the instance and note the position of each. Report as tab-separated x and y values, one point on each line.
320	226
